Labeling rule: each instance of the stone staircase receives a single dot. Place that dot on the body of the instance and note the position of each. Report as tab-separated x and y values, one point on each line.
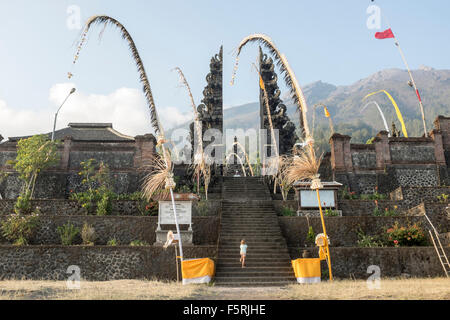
247	213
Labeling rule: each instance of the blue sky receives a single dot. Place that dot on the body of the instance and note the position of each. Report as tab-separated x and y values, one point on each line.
323	40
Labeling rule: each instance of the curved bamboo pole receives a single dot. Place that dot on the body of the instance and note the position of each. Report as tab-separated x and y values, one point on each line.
381	114
240	160
246	156
289	76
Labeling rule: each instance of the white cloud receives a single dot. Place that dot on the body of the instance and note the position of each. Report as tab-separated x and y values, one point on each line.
125	108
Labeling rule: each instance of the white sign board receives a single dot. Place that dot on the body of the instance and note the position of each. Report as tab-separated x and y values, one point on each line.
309	198
184	212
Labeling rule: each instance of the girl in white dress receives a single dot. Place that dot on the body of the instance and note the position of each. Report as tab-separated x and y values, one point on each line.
243	252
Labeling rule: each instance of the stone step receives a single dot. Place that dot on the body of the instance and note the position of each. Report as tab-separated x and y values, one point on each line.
255	260
234	279
261	228
254	284
256	218
240	270
250	233
249	264
251	242
254	274
264	245
255	251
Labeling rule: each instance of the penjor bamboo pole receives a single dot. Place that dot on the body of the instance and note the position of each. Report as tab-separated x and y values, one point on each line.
414	85
327	250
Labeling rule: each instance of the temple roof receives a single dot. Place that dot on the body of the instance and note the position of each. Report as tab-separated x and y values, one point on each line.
93	132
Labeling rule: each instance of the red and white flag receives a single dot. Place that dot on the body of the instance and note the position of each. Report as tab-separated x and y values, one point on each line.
385	34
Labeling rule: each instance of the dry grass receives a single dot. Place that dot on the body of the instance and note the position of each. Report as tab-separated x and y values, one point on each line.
109	290
404	289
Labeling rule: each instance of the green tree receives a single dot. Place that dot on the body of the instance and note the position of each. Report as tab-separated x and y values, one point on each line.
34	155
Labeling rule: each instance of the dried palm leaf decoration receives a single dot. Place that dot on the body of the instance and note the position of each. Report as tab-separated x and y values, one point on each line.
289	76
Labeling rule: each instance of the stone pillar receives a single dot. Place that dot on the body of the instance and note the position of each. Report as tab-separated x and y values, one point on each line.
382	150
436	135
443	125
65	158
341	158
145	150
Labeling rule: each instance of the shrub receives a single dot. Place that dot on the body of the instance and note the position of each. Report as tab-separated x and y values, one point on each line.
377	212
148	208
310	237
19	229
400	236
347	194
331	213
88	234
34	155
202	208
99	191
104	205
287	212
112	242
367	241
23	203
68	233
443	198
138	243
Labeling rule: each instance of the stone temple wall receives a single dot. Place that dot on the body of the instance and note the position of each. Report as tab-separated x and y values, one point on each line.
128	163
390	162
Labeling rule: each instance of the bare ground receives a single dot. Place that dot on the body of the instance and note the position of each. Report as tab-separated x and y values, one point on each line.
401	289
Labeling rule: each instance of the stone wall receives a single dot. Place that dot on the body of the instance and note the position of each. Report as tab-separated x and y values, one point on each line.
391	162
123	229
413	196
119	207
96	263
350	263
366	207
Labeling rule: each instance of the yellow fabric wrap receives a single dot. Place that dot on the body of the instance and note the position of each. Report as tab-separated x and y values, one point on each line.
322	254
306	268
197	268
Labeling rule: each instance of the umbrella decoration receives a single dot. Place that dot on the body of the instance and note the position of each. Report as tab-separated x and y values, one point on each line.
397	110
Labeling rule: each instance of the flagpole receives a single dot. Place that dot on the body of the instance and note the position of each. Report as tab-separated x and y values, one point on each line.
410	76
413	83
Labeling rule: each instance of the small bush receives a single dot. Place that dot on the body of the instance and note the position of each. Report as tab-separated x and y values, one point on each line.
104	205
23	203
331	213
287	212
138	243
367	241
443	198
310	237
68	233
202	208
19	229
400	236
148	208
112	242
88	235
